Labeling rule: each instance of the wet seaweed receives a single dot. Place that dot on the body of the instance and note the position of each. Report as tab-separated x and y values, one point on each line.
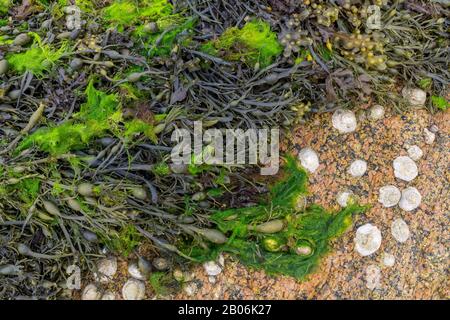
87	115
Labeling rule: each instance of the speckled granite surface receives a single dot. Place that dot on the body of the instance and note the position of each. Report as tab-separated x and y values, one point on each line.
421	269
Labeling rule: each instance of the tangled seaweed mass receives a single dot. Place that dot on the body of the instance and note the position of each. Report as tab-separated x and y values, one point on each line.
91	91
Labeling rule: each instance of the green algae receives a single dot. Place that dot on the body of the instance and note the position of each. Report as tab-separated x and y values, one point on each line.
99	116
313	228
158	282
124	241
161	169
121	13
162	43
137	126
37	59
92	121
254	43
28	190
440	102
84	5
126	13
4	6
169	24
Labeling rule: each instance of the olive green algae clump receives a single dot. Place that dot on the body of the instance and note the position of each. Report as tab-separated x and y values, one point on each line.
254	43
276	236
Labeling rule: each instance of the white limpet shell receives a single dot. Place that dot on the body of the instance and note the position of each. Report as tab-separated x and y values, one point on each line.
367	239
106	269
405	168
309	159
108	295
190	288
91	292
212	268
212	279
343	198
415	97
410	199
133	289
388	259
400	230
344	121
135	272
373	277
389	196
358	168
376	112
415	152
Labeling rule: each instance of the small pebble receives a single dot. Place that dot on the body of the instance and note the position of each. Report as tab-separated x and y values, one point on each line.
367	240
139	193
434	128
309	159
376	112
212	268
429	136
357	168
389	196
343	198
373	277
133	290
22	39
178	168
388	259
91	292
415	97
106	269
400	230
3	66
14	94
344	121
415	152
405	168
76	63
410	199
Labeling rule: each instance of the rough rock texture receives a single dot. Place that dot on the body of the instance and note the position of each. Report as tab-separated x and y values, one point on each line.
421	264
